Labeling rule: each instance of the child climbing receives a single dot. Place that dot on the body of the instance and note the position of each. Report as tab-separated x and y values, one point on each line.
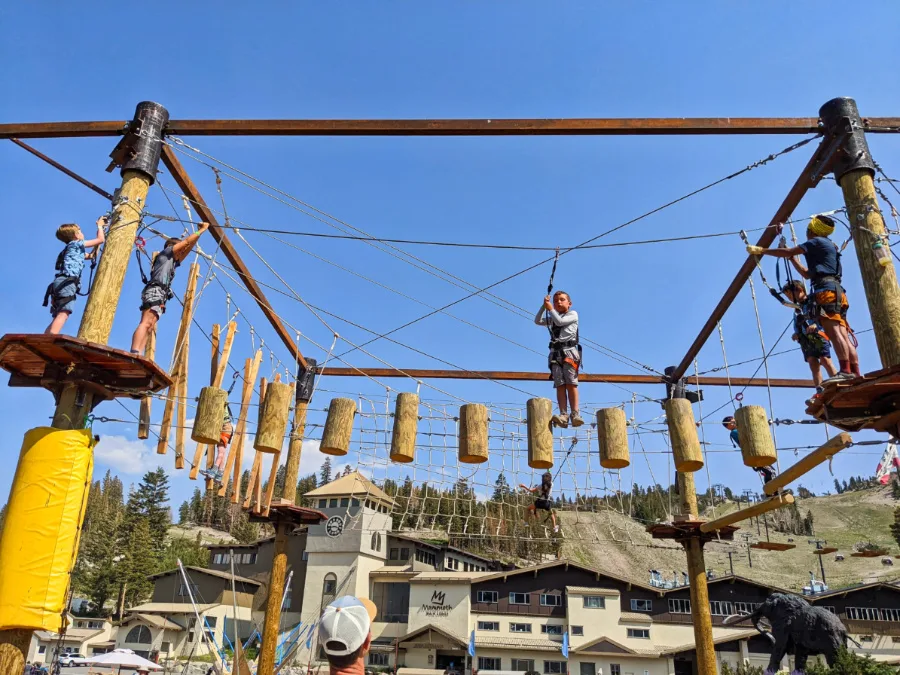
218	470
157	289
543	501
565	354
809	334
63	290
823	268
767	472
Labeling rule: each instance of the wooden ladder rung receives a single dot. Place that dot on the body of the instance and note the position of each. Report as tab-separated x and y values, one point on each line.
808	463
756	509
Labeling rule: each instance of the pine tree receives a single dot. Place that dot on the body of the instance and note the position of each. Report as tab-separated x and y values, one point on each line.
184	513
837	486
151	501
808	524
197	506
347	470
191	552
304	485
501	488
325	472
244	531
895	526
139	563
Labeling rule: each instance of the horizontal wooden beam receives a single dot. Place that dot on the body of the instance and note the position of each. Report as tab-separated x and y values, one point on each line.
421	374
808	462
193	194
641	126
756	509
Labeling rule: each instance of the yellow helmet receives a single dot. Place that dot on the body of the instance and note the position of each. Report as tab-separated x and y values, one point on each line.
821	226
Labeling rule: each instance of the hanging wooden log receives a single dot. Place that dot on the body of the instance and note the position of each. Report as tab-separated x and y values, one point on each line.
338	427
757	446
179	357
210	415
683	435
236	451
144	414
612	436
406	424
540	433
273	418
473	433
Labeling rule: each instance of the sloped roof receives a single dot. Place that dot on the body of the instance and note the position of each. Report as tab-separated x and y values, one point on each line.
568	563
636	617
736	578
852	589
212	573
440	631
536	644
452	577
592	590
352	485
72	634
157	621
618	645
742	635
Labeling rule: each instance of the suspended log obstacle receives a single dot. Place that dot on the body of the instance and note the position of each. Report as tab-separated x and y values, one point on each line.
473	433
612	437
406	424
683	435
756	509
254	484
808	463
539	411
210	415
757	446
338	427
273	418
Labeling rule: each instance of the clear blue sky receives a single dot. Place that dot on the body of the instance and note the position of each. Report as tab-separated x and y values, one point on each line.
442	60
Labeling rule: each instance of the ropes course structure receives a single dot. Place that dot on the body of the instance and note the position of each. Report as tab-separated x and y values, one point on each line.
448	466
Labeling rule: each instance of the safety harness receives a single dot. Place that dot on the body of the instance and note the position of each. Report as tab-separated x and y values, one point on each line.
71	286
149	283
831	307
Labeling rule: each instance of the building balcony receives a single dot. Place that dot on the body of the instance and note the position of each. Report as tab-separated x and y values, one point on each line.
859	627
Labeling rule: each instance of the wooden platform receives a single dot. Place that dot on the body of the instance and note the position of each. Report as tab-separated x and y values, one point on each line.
825	551
880	553
772	546
689	529
50	361
868	402
286	512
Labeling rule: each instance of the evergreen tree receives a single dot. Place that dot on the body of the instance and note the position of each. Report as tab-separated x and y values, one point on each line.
808	526
304	485
895	526
244	531
325	472
845	488
196	506
501	488
184	513
729	495
347	470
837	486
150	501
140	561
191	552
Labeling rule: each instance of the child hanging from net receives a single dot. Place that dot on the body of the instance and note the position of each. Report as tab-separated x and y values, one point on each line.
542	502
766	472
565	354
809	334
218	470
823	268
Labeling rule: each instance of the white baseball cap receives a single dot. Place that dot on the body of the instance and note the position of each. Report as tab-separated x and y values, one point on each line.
345	625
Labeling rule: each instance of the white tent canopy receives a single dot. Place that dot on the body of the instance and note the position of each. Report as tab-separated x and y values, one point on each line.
124	658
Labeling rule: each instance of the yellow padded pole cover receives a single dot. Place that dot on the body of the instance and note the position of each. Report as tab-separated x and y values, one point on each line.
39	540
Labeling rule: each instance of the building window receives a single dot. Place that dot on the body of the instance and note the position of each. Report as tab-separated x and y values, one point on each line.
190	636
345	501
165	648
376	541
890	615
594	602
217	558
638	605
305	556
679	606
288	593
522	665
329	588
520	628
865	613
42	649
487	596
489	625
323	503
830	608
615	669
488	663
378	658
551	629
866	638
895	639
139	635
354	502
588	668
247	559
451	563
549	600
395	554
332	503
183	590
640	633
519	598
426	557
746	607
554	667
720	608
577	630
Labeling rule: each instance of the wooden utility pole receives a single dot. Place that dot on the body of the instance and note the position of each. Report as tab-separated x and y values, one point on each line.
138	154
853	171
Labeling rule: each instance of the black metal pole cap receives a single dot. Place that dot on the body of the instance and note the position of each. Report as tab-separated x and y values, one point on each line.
840	116
148	128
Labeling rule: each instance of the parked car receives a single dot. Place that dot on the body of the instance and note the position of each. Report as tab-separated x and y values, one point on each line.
73	659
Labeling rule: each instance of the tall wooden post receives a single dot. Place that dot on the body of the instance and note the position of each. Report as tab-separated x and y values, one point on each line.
853	171
143	142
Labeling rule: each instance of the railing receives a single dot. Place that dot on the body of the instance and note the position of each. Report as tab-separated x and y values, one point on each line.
861	627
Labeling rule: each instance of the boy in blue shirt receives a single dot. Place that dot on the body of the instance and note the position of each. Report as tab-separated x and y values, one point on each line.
63	290
809	334
767	472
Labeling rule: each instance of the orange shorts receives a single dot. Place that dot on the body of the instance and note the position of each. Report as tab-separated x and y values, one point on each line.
225	436
829	297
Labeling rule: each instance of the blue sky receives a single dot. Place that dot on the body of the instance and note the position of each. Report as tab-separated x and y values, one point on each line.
445	60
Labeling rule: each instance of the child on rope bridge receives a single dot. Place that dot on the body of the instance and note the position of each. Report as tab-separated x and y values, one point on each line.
823	267
766	472
63	290
565	354
218	470
157	289
543	501
809	334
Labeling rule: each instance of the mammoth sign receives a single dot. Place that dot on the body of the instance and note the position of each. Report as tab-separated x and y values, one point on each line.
437	606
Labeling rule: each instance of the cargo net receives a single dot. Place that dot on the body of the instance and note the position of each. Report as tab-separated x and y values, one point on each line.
484	508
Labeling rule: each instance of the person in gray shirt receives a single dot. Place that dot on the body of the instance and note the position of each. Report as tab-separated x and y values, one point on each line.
157	289
565	354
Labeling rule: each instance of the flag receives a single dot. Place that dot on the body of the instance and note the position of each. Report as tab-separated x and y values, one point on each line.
888	459
312	632
472	644
565	644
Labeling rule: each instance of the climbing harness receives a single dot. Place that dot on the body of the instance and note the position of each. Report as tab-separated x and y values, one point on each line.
70	285
139	244
557	346
776	292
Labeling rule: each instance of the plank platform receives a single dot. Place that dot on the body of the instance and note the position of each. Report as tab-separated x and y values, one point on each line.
690	529
773	546
757	509
868	402
50	361
825	551
870	554
285	512
808	463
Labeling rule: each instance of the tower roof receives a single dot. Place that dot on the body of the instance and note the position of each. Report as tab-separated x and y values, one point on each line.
352	485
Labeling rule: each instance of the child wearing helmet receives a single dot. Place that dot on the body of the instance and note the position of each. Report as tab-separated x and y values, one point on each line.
543	500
